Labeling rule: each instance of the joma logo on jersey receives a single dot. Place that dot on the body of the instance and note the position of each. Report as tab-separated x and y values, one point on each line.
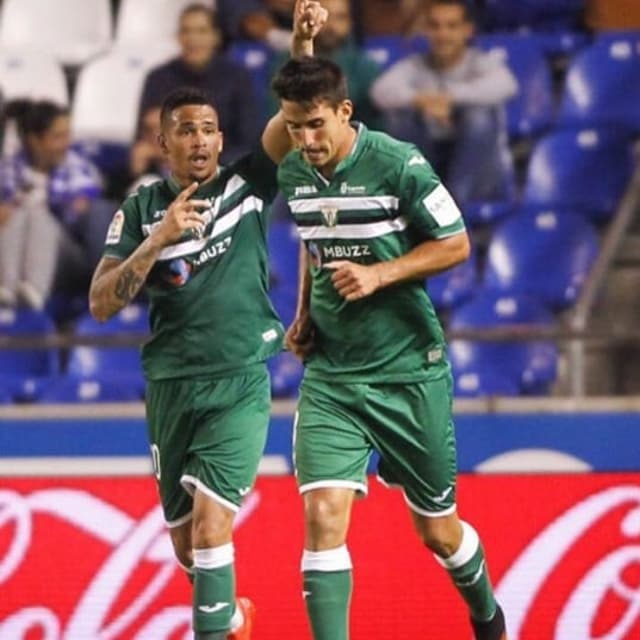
347	251
330	216
306	190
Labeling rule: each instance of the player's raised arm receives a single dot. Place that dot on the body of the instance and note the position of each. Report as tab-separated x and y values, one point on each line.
116	282
309	17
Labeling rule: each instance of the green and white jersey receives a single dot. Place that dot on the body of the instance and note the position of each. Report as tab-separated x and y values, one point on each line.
209	310
382	201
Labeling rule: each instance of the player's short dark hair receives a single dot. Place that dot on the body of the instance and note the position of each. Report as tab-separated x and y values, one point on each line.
182	97
310	80
36	118
199	7
467	6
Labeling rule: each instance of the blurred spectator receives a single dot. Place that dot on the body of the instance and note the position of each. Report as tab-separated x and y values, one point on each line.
450	103
267	21
47	215
199	66
147	160
386	17
606	15
2	121
335	41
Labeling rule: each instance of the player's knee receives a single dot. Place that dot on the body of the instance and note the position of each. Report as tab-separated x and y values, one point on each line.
441	535
326	520
212	527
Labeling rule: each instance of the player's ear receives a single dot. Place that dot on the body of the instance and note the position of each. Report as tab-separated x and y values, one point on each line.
162	141
345	111
221	142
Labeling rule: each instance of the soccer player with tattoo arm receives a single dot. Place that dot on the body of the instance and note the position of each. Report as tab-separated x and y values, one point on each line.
197	242
375	221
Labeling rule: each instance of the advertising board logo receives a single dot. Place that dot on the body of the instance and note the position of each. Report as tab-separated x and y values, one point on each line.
120	597
592	550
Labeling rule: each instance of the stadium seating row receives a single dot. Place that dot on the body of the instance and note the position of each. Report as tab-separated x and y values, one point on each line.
76	30
602	85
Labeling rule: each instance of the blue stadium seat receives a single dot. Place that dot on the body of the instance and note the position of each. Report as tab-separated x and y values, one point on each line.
556	24
535	14
477	214
108	363
451	288
585	171
509	367
284	299
84	390
386	50
286	374
530	111
284	247
256	58
5	396
632	35
23	371
546	254
472	384
602	86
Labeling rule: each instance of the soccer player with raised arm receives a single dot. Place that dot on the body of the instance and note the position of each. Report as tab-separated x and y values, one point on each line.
197	242
376	221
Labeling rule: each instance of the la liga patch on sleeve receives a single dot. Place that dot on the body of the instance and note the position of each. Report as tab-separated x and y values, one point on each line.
114	233
442	206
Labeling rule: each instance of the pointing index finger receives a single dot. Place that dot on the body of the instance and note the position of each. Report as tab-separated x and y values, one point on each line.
186	193
336	264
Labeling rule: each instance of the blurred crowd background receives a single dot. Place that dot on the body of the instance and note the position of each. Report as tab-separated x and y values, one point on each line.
528	109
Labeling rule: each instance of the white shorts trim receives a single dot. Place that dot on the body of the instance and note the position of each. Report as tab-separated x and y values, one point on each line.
190	484
334	484
180	521
429	514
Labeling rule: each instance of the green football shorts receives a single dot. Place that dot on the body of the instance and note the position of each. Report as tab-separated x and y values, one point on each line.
209	435
339	425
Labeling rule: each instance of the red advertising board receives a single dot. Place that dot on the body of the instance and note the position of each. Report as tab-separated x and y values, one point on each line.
89	559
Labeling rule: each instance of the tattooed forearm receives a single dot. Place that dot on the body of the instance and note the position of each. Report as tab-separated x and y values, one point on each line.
116	283
128	285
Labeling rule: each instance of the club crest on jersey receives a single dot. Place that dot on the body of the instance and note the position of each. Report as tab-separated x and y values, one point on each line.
330	216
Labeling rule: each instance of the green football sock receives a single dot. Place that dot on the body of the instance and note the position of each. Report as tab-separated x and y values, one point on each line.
327	581
213	589
468	570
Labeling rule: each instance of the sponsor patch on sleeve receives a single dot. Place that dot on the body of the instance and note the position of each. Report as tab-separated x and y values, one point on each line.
114	233
442	206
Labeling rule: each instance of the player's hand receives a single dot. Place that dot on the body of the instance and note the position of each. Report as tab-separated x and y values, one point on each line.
309	17
437	106
182	215
354	281
299	338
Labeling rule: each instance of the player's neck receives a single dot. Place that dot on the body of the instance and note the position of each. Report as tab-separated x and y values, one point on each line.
344	151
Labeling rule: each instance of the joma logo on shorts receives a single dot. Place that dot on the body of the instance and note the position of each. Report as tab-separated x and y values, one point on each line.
347	251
